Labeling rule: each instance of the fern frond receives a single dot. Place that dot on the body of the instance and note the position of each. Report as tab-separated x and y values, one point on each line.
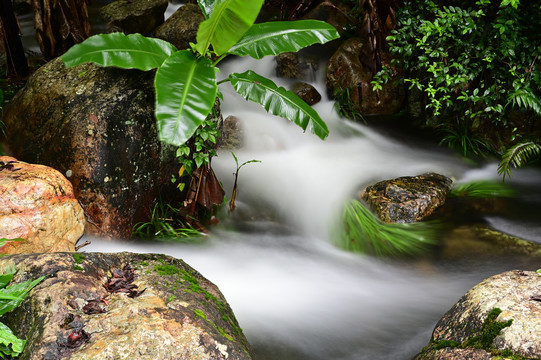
517	156
526	99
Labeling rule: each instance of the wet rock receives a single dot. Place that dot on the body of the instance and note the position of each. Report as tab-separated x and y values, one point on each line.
458	354
231	135
349	81
334	14
180	29
37	204
306	92
407	199
471	241
134	16
179	315
500	313
295	65
97	127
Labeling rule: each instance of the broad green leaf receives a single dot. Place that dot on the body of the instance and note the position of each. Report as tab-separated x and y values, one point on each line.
206	7
185	93
229	20
278	101
273	38
133	51
11	345
17	291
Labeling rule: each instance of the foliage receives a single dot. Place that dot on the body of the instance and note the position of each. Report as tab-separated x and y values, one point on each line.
186	85
185	82
198	150
364	232
164	224
234	193
482	189
517	156
11	296
474	61
345	107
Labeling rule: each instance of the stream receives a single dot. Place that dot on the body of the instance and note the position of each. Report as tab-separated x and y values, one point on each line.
295	294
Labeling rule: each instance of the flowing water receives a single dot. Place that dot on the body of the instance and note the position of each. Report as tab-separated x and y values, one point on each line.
295	294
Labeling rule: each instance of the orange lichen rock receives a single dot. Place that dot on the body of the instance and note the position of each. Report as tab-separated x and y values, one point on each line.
37	205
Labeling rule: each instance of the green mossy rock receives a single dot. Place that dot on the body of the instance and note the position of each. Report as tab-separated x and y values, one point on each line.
180	314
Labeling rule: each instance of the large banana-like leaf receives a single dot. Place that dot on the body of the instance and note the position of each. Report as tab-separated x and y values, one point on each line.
185	93
278	101
229	20
133	51
273	38
206	7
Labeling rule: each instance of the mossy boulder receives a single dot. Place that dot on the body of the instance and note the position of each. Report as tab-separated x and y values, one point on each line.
500	316
96	126
409	198
121	306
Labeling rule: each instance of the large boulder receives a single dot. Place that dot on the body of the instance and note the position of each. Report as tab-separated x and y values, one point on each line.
37	205
349	81
121	306
407	199
180	29
134	16
499	316
96	126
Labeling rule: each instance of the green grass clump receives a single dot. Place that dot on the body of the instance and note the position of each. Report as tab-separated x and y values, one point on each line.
164	224
482	189
364	232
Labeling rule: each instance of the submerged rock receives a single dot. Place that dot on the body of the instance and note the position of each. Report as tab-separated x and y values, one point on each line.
122	306
407	199
37	205
502	313
180	29
134	16
97	127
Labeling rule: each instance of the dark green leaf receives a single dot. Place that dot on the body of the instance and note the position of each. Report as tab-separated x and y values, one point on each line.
6	277
185	93
133	51
278	101
11	345
273	38
18	291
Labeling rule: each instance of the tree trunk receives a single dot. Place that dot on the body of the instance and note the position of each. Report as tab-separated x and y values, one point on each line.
17	65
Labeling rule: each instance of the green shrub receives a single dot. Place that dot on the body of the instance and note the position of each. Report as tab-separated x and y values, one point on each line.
473	61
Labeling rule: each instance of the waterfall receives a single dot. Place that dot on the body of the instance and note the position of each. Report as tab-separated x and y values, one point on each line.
294	293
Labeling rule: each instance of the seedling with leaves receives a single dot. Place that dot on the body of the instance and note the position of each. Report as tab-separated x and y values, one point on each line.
234	193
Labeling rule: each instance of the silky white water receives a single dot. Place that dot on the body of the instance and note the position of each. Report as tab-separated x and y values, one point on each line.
294	293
